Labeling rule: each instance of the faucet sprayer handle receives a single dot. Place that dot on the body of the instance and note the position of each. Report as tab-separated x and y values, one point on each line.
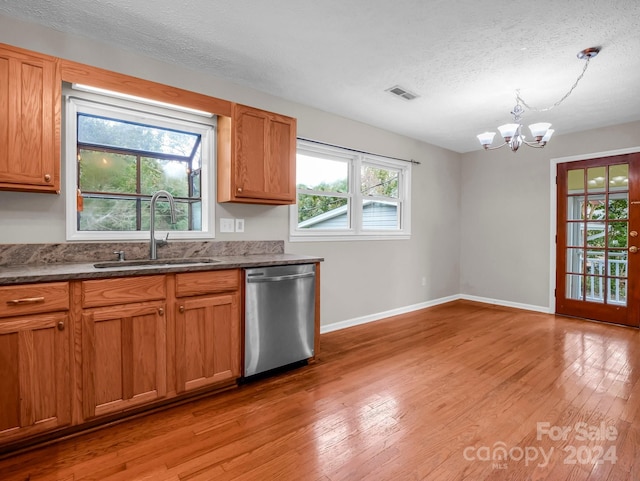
163	242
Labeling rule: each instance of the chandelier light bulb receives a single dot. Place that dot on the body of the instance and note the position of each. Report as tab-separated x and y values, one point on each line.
508	131
539	130
547	136
486	138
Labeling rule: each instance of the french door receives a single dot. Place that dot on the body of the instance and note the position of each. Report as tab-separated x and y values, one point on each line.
597	258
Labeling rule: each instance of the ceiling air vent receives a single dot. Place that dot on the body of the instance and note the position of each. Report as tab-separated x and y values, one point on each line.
402	92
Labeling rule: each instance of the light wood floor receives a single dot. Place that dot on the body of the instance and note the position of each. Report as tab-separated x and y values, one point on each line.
432	395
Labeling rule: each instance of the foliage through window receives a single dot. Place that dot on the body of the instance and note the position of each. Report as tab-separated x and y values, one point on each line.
119	155
341	193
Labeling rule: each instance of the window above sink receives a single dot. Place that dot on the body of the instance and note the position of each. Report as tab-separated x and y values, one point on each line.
119	152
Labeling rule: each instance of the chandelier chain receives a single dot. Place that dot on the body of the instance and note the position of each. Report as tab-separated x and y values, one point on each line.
534	109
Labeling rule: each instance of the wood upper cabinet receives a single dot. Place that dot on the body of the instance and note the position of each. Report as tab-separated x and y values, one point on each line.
256	157
35	359
123	343
207	328
30	96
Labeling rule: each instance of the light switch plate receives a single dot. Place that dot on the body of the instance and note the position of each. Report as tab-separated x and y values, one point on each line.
239	225
226	225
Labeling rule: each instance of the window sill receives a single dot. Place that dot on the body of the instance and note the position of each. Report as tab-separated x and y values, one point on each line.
352	237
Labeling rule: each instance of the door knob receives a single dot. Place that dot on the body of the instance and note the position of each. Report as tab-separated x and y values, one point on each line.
633	249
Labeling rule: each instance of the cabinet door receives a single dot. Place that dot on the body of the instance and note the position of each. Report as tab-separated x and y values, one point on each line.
34	374
265	145
30	90
207	341
124	357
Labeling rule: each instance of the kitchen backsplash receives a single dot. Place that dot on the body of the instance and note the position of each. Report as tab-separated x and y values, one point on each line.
15	254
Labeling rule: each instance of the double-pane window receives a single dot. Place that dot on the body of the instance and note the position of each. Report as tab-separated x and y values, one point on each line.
346	194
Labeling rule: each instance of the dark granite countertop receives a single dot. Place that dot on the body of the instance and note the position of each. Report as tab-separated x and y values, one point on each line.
60	262
64	271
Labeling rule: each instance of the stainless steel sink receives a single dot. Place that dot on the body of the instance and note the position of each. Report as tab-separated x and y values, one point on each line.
156	262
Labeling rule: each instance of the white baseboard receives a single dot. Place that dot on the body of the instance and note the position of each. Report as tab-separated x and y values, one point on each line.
498	302
336	326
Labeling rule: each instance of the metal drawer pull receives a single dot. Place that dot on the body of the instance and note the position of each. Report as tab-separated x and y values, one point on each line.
25	300
61	326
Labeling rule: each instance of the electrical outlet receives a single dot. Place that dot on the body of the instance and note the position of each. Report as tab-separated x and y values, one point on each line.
239	225
226	225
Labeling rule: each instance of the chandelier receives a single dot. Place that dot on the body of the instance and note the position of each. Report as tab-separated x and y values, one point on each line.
541	131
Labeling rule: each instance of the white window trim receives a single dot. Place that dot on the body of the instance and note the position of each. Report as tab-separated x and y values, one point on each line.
355	232
91	103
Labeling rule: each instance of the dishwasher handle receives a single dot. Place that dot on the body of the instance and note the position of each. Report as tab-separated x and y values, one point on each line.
258	278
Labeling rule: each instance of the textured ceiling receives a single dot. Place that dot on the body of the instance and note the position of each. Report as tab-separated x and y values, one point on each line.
464	58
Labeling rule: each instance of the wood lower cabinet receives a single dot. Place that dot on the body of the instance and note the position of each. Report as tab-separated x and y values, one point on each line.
256	157
89	351
35	360
30	93
123	344
207	329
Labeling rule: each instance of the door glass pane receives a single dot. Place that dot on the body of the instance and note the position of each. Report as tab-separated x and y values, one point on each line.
575	235
617	292
596	207
618	207
596	177
595	234
617	263
618	177
575	181
595	262
594	289
575	207
617	234
575	260
575	287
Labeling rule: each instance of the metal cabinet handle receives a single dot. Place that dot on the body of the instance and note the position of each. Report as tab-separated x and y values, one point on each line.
181	309
161	311
47	178
25	300
61	326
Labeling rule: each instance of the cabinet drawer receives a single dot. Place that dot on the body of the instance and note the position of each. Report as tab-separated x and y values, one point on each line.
34	298
198	283
122	290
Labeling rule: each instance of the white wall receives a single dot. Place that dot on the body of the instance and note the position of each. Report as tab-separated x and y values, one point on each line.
359	279
506	214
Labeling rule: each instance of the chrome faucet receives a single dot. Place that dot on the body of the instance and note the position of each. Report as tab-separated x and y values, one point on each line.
153	243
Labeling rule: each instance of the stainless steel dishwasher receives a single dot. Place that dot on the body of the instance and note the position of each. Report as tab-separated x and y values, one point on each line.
279	316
